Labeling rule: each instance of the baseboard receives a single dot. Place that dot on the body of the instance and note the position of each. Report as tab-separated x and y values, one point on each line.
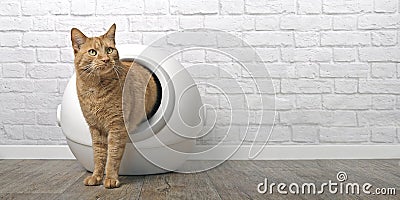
316	152
35	152
270	152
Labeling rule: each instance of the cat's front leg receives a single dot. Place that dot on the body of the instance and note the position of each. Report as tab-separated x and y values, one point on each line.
116	146
99	145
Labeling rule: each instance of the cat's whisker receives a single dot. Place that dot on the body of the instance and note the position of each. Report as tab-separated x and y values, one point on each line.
117	73
87	70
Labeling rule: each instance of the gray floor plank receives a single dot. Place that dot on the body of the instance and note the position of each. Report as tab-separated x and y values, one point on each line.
63	179
130	189
38	176
358	171
29	196
236	180
178	186
9	165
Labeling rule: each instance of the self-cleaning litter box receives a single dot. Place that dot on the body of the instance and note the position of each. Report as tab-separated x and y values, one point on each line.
159	144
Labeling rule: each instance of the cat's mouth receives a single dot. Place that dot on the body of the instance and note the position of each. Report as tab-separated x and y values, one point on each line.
101	67
104	69
99	70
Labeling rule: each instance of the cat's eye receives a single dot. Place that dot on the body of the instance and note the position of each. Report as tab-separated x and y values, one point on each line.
92	52
109	50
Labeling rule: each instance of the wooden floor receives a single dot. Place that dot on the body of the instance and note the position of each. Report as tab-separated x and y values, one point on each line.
63	179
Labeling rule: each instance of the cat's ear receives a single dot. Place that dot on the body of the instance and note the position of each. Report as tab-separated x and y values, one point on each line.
77	38
111	33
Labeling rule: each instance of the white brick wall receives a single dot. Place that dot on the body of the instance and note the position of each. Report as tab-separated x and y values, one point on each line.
334	64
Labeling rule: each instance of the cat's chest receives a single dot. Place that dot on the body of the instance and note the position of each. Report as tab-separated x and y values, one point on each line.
97	98
92	93
88	96
94	97
98	105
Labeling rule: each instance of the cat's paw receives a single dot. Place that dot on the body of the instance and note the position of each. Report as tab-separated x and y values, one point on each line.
93	180
110	183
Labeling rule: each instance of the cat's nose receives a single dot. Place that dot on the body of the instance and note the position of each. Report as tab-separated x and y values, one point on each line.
105	59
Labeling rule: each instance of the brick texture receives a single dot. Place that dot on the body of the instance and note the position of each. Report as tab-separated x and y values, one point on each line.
333	65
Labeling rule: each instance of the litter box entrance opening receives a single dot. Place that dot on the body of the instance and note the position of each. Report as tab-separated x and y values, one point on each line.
159	97
163	108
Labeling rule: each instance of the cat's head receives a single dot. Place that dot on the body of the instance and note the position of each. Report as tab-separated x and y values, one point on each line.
95	55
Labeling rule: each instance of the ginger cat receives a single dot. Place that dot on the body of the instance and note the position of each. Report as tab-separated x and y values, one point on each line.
100	78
